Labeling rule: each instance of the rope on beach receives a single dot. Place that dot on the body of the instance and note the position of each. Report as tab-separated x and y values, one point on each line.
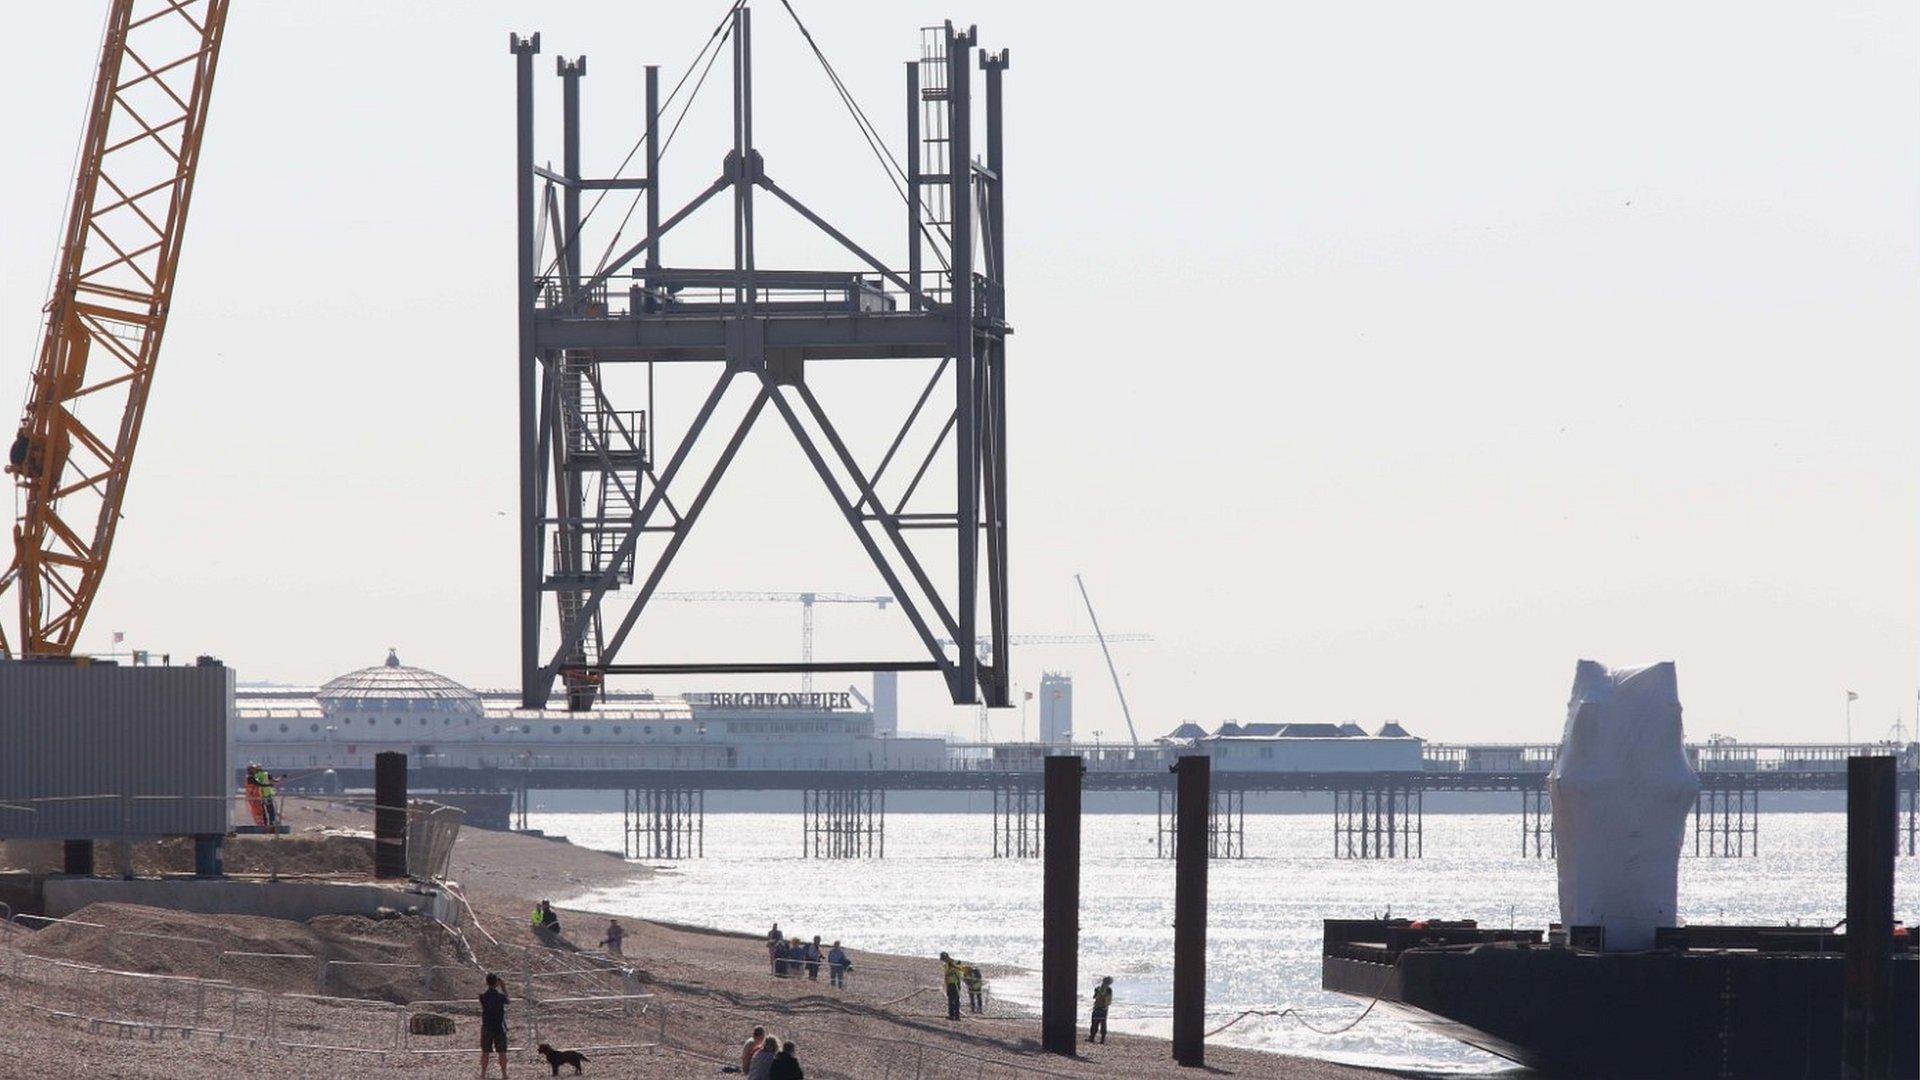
907	996
1297	1014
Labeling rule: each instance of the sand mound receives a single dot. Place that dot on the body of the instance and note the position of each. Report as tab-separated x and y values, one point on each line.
166	942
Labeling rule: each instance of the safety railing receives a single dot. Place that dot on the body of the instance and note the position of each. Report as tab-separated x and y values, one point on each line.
668	291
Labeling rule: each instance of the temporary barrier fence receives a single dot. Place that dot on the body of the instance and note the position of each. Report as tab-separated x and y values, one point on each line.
369	1026
554	1020
169	1004
433	978
899	1058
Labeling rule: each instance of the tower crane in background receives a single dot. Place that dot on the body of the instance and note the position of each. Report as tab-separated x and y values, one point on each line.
1111	670
107	310
806	600
983	732
986	645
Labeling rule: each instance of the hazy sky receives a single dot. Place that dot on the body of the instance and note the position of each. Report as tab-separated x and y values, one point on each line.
1379	360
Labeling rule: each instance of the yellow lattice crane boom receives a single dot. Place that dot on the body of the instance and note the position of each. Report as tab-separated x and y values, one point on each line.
107	310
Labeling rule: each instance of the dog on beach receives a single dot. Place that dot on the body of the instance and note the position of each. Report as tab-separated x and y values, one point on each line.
557	1058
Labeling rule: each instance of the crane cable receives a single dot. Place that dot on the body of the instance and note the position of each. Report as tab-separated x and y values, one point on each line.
620	229
716	38
888	164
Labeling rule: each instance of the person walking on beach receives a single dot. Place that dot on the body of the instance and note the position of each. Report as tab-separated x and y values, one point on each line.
493	1025
786	1066
761	1067
837	965
950	975
1102	1000
813	959
753	1047
976	988
616	934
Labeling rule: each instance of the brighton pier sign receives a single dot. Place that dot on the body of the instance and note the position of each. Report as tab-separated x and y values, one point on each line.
812	702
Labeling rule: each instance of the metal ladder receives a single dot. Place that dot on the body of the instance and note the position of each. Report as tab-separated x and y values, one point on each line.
935	150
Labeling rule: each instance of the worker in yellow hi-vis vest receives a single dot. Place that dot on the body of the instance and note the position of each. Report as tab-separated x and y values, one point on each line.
951	976
1102	1001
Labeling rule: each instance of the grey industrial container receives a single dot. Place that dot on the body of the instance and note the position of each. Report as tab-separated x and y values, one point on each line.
93	751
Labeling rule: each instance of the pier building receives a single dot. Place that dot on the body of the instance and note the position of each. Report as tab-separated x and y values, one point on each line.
439	722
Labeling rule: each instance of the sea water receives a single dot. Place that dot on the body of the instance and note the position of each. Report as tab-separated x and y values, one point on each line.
938	889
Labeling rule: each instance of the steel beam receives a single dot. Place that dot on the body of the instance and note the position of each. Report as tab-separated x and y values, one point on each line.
674	338
533	691
964	682
998	681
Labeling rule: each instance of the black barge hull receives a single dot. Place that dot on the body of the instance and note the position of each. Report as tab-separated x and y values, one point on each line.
1760	1002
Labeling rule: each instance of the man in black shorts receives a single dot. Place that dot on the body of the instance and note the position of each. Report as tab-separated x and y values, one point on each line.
493	1025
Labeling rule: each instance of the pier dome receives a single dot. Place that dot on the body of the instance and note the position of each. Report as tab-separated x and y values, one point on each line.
394	688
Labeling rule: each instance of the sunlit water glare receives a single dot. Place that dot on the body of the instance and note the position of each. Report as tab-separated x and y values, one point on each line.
939	889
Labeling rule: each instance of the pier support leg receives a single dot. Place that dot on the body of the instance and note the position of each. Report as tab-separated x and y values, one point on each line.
843	823
1017	815
1226	824
206	857
1867	1025
1379	822
1538	840
389	814
1060	907
77	858
1912	795
1192	800
1726	822
665	823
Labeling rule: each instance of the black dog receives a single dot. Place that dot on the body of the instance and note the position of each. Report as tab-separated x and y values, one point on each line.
557	1058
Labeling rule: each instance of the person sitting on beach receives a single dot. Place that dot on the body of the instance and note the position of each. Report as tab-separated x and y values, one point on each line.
838	966
753	1047
786	1065
546	925
616	934
761	1067
813	959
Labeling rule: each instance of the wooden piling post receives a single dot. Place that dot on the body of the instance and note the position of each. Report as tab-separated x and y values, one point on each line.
390	814
1060	906
1867	1024
1191	798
